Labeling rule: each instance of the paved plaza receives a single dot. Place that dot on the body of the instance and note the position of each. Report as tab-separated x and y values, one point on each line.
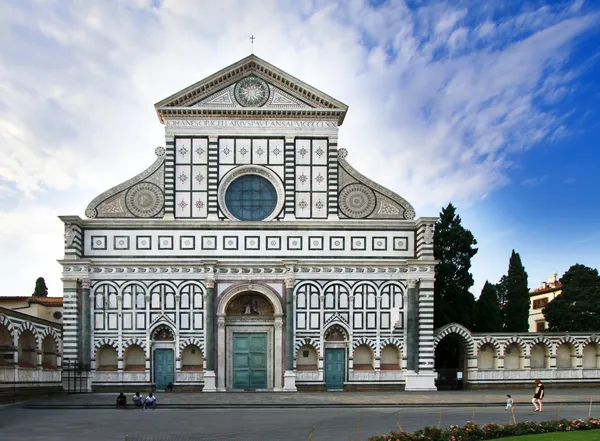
269	416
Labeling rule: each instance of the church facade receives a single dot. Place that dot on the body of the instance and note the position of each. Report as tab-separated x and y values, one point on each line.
250	255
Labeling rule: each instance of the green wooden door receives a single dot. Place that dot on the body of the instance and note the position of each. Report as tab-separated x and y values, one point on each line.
163	368
334	368
249	361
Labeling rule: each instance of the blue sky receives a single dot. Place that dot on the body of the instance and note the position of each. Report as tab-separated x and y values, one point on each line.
490	105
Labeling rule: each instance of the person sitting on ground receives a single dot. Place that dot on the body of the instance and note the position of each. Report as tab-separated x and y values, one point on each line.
150	401
169	387
121	400
137	399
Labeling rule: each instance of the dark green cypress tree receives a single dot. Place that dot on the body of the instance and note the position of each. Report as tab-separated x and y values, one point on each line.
454	246
40	288
577	309
488	314
517	302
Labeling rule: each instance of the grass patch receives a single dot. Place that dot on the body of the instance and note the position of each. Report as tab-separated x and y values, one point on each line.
592	435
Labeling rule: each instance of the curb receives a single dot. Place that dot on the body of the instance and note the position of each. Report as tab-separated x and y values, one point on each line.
289	406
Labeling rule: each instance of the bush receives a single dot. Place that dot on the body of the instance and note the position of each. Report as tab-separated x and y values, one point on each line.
473	432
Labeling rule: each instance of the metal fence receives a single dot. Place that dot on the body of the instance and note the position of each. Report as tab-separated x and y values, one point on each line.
75	376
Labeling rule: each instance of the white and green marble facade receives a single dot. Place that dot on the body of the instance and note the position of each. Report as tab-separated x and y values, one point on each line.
338	251
341	262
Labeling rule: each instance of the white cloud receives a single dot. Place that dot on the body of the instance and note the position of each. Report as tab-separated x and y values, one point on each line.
438	103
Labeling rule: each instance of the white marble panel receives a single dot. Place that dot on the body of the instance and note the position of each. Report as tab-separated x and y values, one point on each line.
303	178
303	151
319	151
243	151
199	204
303	205
226	151
183	151
276	151
319	178
200	151
260	151
183	177
182	204
311	376
319	206
199	177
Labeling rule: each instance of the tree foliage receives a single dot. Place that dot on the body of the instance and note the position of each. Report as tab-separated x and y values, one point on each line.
40	288
577	309
454	246
488	313
517	302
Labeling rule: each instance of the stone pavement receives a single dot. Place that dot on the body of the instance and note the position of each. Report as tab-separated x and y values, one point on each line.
230	400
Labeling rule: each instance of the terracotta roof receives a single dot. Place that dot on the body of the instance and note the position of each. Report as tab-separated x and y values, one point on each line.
46	301
557	287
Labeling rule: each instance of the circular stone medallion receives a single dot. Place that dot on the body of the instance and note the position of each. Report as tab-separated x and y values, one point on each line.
251	92
357	201
144	200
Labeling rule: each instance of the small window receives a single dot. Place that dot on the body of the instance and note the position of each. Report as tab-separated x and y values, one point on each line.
57	315
305	354
540	303
540	326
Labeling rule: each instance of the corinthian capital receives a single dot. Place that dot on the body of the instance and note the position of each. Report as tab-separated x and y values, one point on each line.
412	283
289	282
209	282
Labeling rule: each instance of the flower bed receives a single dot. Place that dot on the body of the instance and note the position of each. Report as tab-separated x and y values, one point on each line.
473	432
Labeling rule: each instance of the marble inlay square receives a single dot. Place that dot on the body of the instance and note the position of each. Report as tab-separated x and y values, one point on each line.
358	243
209	242
187	242
294	243
379	243
252	243
143	242
337	243
121	242
315	243
401	243
230	242
98	242
165	242
273	242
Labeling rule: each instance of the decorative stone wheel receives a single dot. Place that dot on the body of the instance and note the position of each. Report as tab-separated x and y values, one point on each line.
144	199
251	92
357	201
409	214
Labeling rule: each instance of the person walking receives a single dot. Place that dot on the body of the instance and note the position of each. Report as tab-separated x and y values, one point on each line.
538	396
509	402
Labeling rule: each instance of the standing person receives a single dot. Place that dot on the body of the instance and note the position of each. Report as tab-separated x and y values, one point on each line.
150	401
509	402
538	396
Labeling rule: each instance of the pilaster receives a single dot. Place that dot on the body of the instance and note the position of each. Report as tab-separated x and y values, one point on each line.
209	375
169	177
289	178
289	384
213	178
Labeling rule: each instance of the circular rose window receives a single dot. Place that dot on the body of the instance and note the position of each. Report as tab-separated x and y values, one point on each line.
251	198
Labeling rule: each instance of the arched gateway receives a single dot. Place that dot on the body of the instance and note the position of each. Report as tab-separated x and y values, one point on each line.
250	339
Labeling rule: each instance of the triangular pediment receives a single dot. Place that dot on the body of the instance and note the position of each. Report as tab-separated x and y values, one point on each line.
275	98
251	86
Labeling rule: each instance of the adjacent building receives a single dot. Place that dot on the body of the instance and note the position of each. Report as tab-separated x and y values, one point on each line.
540	297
